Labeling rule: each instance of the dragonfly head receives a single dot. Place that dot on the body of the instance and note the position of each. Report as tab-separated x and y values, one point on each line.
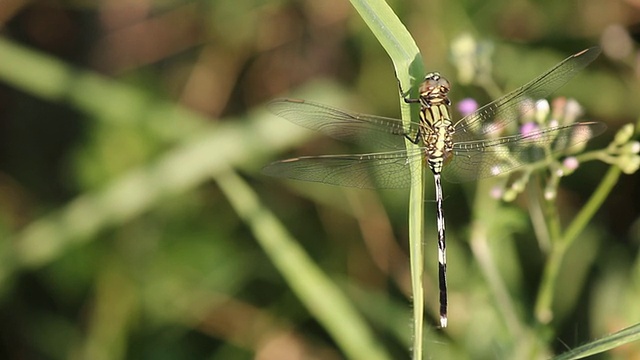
434	89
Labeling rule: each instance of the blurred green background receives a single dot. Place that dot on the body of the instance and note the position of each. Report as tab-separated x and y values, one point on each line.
117	241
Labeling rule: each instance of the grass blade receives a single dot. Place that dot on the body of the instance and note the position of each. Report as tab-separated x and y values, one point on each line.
404	53
319	293
609	342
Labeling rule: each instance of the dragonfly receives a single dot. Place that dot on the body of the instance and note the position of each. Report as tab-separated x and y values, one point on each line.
463	150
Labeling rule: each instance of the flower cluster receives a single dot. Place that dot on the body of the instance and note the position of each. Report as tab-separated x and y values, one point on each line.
557	143
549	136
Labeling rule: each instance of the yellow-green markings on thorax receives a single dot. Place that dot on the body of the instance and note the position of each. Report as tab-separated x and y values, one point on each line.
435	121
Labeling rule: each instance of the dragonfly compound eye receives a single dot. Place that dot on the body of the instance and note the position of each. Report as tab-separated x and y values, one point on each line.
434	83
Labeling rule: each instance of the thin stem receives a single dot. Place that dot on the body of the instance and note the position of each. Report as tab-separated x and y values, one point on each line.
543	308
538	220
543	311
483	207
594	203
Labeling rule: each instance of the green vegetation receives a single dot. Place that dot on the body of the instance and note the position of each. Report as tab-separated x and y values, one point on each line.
135	222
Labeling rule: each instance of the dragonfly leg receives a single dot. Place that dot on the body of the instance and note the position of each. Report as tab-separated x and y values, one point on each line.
415	140
405	94
409	101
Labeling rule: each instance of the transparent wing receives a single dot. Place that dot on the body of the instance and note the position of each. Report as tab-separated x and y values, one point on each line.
485	158
499	113
387	170
343	125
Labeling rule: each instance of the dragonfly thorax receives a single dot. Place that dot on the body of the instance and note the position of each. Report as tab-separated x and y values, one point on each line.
434	90
436	128
437	132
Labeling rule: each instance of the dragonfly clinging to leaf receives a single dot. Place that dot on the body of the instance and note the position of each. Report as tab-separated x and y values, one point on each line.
470	148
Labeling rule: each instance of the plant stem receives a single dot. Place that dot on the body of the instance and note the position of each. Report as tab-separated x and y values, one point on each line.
404	53
484	207
560	245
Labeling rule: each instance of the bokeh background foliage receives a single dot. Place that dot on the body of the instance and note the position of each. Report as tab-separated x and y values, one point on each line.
117	118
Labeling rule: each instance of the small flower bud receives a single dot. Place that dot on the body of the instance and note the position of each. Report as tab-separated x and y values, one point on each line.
629	164
542	111
632	147
624	134
569	165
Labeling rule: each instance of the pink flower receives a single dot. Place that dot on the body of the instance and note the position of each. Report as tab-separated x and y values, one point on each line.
528	128
467	106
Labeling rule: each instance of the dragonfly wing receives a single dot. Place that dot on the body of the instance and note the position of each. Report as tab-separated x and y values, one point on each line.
390	170
343	125
499	113
481	159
